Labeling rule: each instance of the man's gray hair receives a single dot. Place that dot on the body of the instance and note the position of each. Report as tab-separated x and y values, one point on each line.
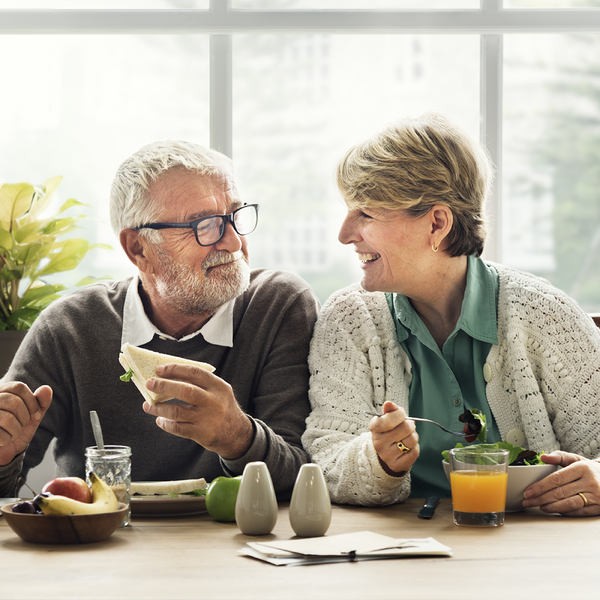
130	203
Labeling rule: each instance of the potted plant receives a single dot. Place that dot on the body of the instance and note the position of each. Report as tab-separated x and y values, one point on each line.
32	246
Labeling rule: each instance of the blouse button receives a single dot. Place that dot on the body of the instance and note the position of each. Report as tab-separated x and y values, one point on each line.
457	401
487	372
515	437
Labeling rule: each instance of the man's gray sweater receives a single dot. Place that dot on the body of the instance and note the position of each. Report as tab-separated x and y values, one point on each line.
74	347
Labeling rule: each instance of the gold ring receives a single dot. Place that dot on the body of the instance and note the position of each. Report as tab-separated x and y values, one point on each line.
402	447
585	502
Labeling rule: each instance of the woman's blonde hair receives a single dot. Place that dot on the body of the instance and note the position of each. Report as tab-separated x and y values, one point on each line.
415	164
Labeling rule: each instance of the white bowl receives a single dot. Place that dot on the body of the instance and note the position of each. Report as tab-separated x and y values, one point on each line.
519	479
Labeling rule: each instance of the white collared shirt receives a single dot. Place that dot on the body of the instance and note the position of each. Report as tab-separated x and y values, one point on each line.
139	330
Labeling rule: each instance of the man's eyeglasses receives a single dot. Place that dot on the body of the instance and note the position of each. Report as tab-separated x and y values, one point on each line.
210	230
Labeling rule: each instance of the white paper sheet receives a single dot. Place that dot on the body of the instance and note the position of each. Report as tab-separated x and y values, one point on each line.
364	545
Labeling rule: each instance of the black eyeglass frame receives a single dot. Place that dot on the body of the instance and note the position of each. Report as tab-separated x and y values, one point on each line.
230	218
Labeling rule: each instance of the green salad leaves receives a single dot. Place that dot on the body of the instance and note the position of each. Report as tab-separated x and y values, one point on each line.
517	456
474	421
201	492
127	376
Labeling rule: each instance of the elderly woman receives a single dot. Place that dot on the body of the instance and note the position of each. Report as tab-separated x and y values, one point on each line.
433	330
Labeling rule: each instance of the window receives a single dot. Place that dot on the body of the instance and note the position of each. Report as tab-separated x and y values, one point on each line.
77	106
285	87
551	150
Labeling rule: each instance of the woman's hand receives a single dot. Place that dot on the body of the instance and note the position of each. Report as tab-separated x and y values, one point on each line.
573	490
390	433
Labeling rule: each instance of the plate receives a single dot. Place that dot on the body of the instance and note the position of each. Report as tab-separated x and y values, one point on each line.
167	506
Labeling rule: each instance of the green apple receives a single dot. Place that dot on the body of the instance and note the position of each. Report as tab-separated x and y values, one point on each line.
221	496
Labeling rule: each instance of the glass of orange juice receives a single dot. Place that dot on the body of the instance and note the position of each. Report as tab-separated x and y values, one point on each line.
478	478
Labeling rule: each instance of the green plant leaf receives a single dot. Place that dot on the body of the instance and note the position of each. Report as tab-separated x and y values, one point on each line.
34	294
10	274
6	240
44	196
28	256
24	315
31	246
58	227
15	200
28	233
69	203
44	302
70	255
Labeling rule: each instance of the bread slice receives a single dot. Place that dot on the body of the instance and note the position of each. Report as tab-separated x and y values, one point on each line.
143	364
163	488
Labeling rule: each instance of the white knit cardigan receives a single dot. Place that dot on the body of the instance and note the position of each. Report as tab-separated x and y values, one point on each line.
545	381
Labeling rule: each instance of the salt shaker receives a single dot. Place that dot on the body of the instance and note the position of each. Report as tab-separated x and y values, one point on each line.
256	505
113	465
310	507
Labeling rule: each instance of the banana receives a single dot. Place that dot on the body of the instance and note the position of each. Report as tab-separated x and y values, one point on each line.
103	500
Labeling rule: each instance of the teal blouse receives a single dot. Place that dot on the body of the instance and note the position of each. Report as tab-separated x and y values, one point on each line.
445	383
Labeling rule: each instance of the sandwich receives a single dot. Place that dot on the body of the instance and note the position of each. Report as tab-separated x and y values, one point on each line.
195	487
141	364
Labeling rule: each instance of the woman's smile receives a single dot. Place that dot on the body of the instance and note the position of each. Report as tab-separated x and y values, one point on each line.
389	245
368	258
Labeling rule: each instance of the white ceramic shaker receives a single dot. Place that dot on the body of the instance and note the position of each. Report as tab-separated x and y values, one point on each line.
310	507
256	505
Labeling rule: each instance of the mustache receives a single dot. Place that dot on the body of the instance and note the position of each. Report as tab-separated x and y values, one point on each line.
221	258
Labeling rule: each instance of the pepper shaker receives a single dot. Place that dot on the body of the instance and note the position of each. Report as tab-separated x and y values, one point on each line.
256	505
310	507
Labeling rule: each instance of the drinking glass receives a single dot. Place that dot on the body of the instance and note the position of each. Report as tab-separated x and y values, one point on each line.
478	478
113	465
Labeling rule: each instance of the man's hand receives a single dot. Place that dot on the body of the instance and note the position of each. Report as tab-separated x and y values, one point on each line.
211	416
387	432
21	412
573	490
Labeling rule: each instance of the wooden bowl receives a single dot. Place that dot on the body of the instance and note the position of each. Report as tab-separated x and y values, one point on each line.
63	529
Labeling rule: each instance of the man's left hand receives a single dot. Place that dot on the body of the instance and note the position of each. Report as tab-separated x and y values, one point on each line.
573	490
211	416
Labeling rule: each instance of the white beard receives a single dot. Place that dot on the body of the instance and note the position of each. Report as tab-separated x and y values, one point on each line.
190	294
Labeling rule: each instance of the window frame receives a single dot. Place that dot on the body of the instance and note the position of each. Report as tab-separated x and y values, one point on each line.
491	21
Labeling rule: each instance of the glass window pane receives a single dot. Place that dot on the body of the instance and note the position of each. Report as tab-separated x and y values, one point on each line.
546	4
77	106
551	185
301	101
105	4
356	4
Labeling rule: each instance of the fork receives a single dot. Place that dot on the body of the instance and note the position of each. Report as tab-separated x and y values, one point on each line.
458	433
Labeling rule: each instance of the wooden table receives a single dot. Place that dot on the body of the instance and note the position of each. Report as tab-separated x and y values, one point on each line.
532	556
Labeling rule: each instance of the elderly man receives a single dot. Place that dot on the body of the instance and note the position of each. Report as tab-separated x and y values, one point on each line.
181	221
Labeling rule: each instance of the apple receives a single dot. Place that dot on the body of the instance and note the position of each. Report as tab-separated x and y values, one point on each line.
71	487
221	497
